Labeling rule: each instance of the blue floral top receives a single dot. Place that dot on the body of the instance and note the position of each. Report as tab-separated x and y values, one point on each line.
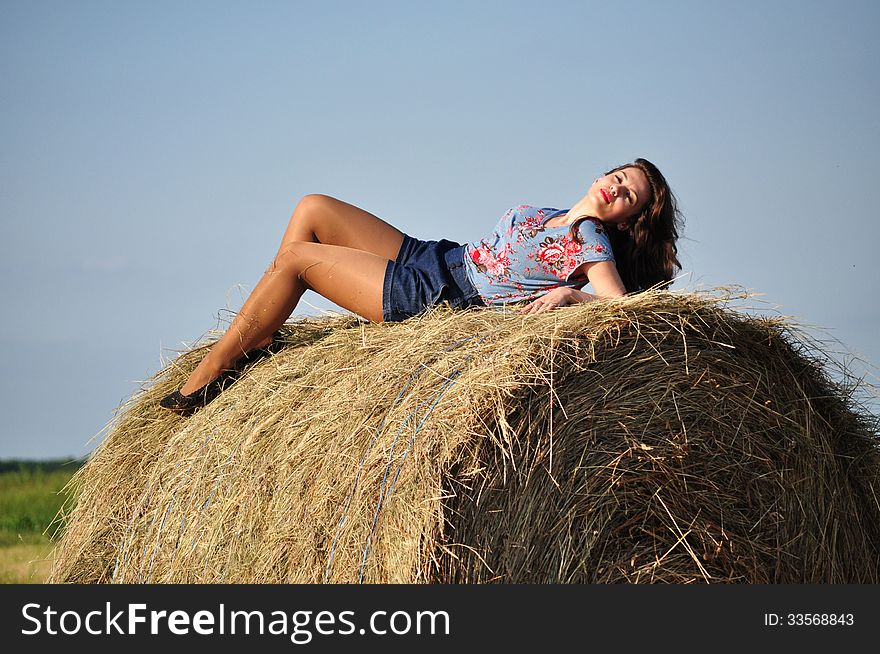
524	259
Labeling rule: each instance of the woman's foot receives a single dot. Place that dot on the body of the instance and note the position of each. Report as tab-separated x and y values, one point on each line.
187	404
211	381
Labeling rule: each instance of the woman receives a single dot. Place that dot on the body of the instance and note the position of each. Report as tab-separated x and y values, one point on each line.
620	237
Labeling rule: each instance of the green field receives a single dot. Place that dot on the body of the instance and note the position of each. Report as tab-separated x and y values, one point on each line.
30	496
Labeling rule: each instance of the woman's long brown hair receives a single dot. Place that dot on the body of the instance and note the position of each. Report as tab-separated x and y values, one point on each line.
646	254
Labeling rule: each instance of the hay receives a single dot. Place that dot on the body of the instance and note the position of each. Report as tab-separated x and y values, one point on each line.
657	438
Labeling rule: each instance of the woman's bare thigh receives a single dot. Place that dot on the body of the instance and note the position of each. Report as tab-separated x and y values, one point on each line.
351	278
323	219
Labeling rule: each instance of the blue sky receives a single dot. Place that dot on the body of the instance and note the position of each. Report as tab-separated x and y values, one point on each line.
151	155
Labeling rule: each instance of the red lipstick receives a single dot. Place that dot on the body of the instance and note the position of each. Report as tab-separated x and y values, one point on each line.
605	196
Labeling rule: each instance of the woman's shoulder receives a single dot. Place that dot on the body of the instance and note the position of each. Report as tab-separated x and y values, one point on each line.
590	223
521	209
533	212
595	238
593	229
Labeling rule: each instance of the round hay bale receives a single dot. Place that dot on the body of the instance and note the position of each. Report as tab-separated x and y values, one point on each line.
656	438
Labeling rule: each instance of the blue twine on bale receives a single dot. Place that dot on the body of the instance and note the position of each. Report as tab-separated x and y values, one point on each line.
412	378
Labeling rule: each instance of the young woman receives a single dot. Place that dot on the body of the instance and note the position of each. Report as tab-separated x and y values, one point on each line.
620	237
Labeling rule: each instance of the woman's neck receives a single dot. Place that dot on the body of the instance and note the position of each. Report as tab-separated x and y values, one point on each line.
562	219
556	221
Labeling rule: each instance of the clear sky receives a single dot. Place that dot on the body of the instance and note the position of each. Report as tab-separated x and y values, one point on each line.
151	154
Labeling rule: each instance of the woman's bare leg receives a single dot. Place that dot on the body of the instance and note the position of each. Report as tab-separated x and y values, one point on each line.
316	219
322	219
351	278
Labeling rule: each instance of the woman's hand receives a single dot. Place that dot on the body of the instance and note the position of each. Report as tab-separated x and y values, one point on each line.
558	297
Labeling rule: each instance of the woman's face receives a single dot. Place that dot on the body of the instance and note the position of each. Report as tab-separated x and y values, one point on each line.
615	198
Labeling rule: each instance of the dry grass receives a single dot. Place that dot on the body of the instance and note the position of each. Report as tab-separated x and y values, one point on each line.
657	438
26	563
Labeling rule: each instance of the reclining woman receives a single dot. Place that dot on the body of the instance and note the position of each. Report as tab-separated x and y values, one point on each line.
620	237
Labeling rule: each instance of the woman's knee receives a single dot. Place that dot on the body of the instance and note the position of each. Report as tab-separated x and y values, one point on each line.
287	261
312	205
310	212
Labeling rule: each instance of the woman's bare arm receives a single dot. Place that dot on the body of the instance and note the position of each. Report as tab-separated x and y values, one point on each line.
605	279
603	276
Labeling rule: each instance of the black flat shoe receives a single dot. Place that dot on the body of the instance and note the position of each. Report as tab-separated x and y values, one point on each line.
186	405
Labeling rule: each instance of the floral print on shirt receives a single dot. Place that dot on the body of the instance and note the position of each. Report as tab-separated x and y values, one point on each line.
492	263
525	258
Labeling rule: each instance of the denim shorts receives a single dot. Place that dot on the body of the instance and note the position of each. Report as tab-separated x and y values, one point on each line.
424	274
